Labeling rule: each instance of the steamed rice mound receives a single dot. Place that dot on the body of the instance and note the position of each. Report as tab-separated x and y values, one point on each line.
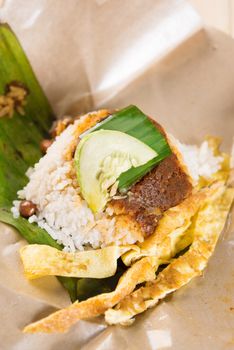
62	211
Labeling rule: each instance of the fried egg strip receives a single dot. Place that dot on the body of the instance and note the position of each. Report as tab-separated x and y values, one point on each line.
175	221
141	271
62	320
206	227
42	260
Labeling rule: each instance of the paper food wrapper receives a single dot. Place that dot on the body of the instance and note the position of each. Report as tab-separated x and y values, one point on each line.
156	54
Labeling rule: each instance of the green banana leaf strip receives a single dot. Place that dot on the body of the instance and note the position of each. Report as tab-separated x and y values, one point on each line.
90	287
134	122
20	138
131	176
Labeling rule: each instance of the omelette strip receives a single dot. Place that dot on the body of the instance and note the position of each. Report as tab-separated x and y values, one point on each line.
141	271
62	320
171	228
43	260
206	228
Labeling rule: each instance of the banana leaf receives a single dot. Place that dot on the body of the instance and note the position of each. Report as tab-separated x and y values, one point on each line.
90	287
20	136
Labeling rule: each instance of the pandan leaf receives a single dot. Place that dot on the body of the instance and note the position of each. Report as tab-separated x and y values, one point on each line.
20	136
133	175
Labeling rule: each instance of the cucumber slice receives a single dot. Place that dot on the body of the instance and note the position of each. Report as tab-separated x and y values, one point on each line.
101	157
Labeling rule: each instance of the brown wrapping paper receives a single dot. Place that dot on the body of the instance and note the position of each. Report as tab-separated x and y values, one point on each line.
157	55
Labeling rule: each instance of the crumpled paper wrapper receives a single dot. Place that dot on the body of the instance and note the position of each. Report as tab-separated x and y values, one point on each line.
112	53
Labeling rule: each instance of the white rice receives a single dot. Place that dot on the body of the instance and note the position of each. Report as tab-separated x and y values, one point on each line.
65	215
200	161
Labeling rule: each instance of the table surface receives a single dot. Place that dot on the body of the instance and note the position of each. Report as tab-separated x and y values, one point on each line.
217	13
